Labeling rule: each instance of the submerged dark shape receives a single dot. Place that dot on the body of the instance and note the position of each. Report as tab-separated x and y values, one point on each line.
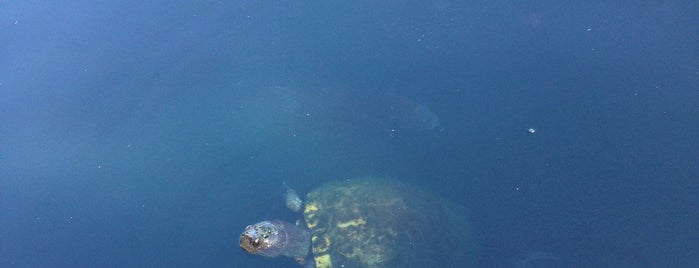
539	259
410	115
274	238
355	109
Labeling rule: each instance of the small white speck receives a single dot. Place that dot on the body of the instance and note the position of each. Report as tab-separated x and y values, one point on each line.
99	166
531	130
16	21
589	29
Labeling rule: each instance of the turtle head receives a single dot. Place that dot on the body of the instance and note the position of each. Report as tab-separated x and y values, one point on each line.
274	238
259	237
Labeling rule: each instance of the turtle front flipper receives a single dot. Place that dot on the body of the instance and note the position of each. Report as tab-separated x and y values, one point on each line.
292	199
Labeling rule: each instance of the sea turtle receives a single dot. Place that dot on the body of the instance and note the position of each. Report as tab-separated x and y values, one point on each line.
368	222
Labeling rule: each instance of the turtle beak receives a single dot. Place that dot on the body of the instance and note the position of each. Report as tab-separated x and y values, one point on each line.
249	240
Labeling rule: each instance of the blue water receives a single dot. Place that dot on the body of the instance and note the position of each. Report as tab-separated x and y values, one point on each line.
149	134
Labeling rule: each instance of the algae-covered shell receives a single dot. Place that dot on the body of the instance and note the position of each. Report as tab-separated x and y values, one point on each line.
378	222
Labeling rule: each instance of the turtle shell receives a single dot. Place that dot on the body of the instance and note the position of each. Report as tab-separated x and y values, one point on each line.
374	222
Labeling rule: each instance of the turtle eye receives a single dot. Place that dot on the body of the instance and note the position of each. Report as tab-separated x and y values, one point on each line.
265	236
